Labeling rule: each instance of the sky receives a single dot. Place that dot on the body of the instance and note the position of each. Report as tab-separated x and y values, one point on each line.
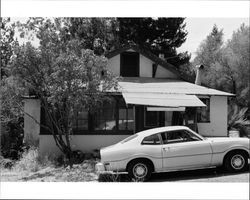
199	28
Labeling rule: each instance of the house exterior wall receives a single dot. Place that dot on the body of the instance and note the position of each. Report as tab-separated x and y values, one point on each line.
161	72
218	118
85	143
145	68
31	128
114	65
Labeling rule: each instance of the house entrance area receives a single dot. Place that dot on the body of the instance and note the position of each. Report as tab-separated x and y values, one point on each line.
151	117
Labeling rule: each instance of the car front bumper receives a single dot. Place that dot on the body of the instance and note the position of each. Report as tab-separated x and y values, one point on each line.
110	167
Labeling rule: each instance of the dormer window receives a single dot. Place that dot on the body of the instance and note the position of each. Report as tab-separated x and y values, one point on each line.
129	64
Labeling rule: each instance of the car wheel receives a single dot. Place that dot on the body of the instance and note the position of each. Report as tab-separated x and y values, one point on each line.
236	162
140	170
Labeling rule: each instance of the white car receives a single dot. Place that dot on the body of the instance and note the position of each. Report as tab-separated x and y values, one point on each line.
171	149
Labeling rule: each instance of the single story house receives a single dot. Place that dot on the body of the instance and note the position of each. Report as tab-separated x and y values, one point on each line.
152	94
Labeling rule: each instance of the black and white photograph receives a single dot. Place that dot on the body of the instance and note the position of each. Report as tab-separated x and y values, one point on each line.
125	100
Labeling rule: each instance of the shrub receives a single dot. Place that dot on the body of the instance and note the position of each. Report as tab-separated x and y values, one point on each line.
237	120
29	161
12	138
6	163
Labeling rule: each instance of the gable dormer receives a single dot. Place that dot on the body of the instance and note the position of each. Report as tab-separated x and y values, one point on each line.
132	61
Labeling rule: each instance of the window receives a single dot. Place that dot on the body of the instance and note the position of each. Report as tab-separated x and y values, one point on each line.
203	113
129	138
151	118
151	140
114	117
126	116
81	120
129	64
105	118
178	136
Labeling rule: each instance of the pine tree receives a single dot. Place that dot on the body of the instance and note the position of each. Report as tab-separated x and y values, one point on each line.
160	36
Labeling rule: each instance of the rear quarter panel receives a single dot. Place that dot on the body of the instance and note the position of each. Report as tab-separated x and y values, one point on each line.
222	147
120	156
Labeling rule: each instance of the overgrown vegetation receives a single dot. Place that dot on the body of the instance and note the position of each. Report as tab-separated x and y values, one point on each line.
32	167
237	120
67	70
227	65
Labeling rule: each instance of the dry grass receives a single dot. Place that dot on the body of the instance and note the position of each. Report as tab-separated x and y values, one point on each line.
31	167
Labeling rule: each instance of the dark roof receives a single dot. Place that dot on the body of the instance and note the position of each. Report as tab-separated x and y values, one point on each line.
152	57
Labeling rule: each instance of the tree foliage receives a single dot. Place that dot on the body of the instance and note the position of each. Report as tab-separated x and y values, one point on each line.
7	43
63	74
227	64
160	36
209	54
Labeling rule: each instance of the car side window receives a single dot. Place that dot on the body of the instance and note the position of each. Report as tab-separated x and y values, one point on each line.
178	136
151	140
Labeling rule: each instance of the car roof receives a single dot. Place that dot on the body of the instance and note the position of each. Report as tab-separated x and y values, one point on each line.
161	129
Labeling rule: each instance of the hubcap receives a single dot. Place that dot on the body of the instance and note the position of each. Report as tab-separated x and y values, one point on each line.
237	162
140	170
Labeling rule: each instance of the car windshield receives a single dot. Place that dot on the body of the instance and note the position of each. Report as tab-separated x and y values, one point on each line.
198	135
129	138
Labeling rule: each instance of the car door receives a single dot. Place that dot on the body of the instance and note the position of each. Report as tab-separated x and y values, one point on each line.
151	147
182	149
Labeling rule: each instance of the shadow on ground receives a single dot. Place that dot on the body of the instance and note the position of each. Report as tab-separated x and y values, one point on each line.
195	175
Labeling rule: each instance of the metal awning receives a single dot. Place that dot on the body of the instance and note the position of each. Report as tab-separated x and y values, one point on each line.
161	99
165	108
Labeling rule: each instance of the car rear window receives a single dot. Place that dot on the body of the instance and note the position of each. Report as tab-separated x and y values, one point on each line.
129	138
151	140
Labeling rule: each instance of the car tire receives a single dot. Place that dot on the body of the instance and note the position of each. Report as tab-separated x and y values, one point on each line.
236	162
140	170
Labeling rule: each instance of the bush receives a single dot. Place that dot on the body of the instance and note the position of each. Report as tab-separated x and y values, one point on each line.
12	139
29	161
6	163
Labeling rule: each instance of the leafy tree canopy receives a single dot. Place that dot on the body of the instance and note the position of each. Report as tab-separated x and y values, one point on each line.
160	35
7	43
227	64
64	75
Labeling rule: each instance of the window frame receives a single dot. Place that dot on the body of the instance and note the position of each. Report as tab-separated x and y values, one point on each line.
127	107
186	131
159	137
91	131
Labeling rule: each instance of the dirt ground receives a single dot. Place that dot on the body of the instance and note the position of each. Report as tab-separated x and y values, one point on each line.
82	173
79	173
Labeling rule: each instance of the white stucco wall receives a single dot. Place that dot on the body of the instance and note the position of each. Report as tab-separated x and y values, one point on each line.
145	67
31	128
218	118
161	72
85	143
114	65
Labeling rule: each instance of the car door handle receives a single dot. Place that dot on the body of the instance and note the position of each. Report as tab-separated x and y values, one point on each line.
166	148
